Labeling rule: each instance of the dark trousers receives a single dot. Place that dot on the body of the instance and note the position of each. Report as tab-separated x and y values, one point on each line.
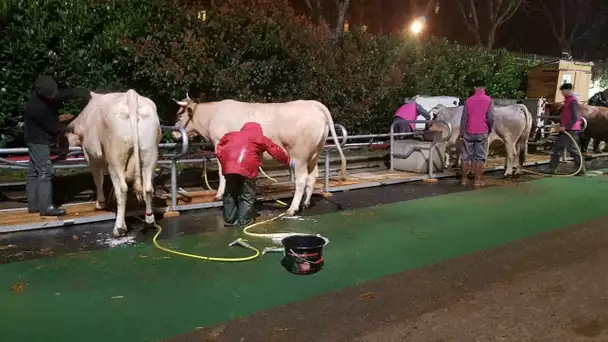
239	200
402	126
40	173
563	141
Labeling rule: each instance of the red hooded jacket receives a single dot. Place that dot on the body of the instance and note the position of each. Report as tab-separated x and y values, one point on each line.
240	152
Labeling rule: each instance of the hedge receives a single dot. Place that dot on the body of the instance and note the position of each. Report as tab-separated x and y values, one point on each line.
250	50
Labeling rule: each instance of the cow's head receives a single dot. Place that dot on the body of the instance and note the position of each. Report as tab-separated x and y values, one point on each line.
71	137
185	114
553	108
435	111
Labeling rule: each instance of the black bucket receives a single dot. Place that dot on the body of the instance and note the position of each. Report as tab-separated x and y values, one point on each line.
303	254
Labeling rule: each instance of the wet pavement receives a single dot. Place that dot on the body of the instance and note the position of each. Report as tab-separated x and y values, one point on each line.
28	245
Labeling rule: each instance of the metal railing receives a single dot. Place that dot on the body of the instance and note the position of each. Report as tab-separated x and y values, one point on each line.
392	136
174	157
344	140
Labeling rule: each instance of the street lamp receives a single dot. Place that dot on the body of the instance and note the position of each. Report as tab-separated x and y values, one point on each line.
417	26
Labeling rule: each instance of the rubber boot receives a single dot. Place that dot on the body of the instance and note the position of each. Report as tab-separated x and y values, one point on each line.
577	162
45	198
553	164
31	186
583	171
478	170
465	167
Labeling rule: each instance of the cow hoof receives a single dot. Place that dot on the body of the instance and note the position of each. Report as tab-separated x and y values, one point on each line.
100	205
517	175
289	213
120	232
506	176
217	198
148	226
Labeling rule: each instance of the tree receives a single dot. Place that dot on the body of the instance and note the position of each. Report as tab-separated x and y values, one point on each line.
572	20
487	16
320	13
424	8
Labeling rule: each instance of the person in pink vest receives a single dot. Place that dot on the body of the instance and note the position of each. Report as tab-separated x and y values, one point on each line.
409	111
571	122
475	126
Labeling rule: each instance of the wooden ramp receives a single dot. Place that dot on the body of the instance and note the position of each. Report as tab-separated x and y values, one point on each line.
19	219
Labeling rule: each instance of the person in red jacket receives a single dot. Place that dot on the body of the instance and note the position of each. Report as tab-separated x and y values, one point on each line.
240	154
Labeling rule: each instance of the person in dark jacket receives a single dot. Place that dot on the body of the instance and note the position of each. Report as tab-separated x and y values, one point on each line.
41	130
240	154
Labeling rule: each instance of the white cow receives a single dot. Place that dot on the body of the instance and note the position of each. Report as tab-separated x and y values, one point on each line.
119	133
300	127
512	126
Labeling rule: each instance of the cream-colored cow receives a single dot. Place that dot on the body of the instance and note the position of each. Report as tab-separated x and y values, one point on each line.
120	133
300	127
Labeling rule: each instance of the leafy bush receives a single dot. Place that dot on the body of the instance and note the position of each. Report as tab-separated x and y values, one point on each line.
600	76
250	50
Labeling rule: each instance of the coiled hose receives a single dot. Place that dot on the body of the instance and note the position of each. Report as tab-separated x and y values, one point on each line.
580	166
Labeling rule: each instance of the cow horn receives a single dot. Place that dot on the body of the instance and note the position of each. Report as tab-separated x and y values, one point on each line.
188	96
181	103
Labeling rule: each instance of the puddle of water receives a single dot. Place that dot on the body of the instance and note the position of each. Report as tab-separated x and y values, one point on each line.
112	242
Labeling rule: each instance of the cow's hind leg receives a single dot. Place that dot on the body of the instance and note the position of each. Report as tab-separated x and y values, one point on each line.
117	175
511	155
301	176
222	186
100	202
149	163
518	160
310	185
596	146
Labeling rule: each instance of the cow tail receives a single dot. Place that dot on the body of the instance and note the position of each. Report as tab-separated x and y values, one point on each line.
332	129
523	140
132	97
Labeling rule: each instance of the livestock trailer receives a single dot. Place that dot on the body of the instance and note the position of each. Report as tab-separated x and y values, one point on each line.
544	80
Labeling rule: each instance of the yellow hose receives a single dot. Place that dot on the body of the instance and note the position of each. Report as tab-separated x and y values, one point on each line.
159	229
256	252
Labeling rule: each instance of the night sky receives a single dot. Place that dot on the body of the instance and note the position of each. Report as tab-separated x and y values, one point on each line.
527	31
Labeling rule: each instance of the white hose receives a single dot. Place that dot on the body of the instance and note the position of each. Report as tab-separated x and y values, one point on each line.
580	166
